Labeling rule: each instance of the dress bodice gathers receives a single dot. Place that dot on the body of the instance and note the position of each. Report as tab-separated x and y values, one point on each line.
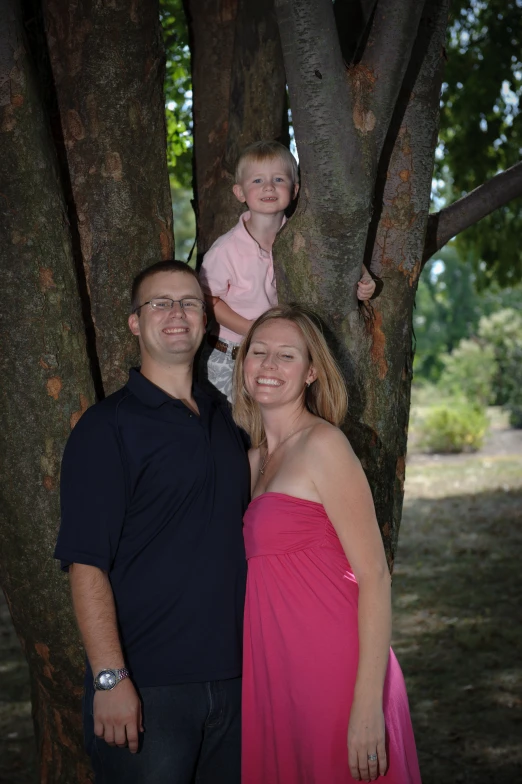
277	523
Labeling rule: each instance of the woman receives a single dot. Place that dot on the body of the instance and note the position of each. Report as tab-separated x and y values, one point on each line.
318	670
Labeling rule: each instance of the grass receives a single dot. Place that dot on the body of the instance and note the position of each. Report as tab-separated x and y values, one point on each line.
457	631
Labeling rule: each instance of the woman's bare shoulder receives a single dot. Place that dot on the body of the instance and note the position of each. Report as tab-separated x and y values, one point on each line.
329	441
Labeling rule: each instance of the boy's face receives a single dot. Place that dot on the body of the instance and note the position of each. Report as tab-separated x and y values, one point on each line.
266	186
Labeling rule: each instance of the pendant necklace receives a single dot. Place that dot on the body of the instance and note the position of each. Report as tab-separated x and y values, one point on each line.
269	455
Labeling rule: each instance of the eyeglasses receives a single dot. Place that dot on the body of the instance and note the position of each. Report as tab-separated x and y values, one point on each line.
187	304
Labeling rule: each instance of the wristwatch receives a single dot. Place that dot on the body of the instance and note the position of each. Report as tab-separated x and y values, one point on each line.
108	679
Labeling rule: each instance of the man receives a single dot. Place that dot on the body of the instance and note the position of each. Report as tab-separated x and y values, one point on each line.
154	484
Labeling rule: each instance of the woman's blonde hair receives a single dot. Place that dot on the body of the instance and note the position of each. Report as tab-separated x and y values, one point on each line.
326	397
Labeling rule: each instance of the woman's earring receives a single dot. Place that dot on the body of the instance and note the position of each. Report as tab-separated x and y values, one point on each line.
308	384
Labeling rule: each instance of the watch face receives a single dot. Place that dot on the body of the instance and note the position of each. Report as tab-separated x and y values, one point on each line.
106	679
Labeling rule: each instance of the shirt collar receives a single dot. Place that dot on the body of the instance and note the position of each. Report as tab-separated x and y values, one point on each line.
147	392
154	397
245	236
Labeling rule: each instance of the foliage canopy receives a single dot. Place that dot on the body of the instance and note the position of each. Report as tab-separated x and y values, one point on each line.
481	126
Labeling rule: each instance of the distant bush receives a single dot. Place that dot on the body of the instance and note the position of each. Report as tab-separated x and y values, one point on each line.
468	373
502	333
515	416
457	427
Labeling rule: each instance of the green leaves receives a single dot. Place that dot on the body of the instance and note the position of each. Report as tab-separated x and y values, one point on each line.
481	125
178	92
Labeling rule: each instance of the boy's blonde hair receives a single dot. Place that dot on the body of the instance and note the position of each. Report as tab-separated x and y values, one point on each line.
262	151
326	397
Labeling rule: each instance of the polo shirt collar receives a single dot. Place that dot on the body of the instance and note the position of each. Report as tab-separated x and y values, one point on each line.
243	233
147	392
154	397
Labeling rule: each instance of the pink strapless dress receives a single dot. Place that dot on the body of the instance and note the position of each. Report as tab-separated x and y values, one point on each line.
301	651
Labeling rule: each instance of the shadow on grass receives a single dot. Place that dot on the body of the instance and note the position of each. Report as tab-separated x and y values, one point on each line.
458	634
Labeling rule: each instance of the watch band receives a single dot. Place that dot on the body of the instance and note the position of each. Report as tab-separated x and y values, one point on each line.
109	678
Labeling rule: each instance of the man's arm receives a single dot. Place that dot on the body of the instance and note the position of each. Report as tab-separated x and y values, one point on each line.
117	713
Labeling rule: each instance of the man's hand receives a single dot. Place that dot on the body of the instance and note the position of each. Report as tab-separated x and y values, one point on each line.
365	287
117	716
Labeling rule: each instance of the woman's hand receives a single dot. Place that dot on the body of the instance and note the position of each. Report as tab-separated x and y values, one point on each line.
366	736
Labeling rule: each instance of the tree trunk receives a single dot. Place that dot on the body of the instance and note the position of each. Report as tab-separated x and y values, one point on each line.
396	243
108	66
319	254
340	119
46	386
239	97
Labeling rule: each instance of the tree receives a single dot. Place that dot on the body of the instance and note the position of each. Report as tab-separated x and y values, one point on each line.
85	204
364	82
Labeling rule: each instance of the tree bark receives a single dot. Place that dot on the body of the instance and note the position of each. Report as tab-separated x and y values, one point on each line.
471	208
319	255
396	241
340	120
239	97
46	386
108	65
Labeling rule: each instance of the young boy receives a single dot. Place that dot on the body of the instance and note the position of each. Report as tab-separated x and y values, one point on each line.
237	274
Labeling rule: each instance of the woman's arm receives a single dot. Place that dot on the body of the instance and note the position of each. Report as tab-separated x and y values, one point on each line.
344	492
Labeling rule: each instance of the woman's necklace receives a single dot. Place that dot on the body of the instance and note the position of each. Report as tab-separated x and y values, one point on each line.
269	455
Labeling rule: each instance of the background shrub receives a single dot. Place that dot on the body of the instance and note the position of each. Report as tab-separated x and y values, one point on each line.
469	372
502	333
454	427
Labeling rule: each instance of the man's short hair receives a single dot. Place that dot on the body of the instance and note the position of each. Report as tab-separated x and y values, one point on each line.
262	151
170	265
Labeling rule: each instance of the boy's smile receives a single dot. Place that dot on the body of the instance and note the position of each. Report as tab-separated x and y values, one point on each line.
266	186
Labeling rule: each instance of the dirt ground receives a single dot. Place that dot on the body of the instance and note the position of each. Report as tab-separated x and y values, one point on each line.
457	624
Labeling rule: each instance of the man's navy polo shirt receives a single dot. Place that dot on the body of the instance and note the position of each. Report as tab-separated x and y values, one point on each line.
155	496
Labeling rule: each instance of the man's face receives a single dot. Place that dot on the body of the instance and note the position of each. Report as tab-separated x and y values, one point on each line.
266	186
169	336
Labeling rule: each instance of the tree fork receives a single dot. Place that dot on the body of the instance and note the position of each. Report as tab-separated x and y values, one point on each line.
321	252
46	387
316	254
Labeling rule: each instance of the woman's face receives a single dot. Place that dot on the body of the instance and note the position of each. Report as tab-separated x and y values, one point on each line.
277	366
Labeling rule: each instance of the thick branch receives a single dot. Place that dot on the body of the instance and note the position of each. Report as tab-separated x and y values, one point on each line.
316	78
487	198
377	78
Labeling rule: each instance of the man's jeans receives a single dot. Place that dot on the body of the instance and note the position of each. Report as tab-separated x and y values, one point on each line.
192	736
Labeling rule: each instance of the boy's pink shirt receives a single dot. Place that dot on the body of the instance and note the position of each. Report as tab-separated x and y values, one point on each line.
237	270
